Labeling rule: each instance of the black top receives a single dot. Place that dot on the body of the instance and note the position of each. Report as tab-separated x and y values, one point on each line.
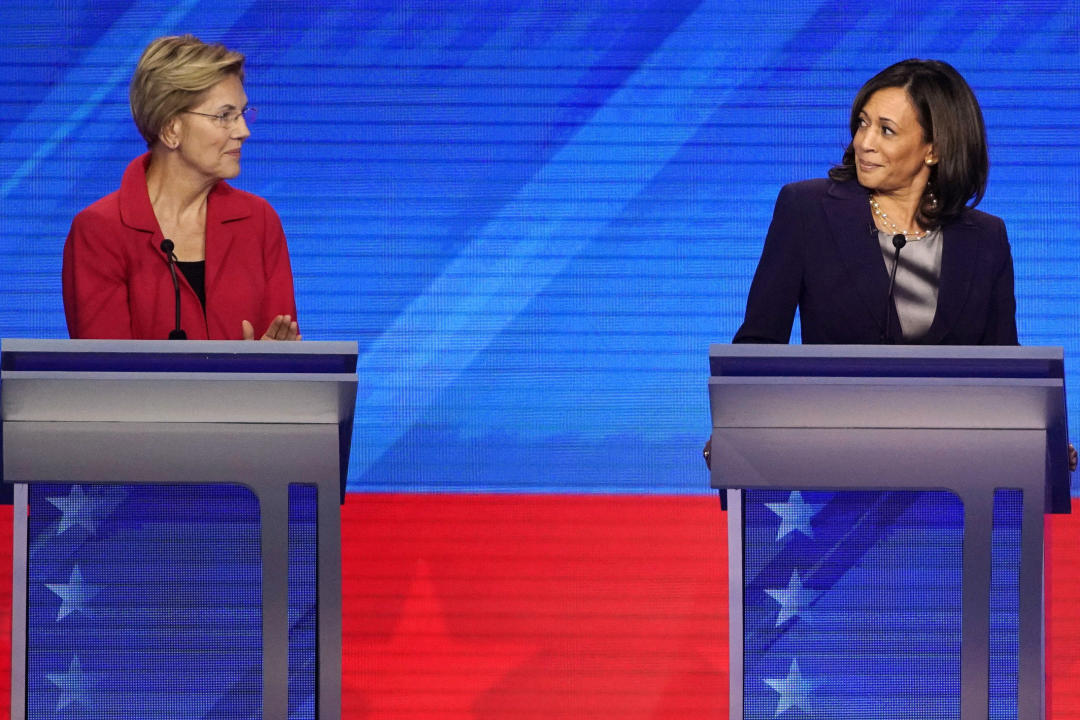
195	272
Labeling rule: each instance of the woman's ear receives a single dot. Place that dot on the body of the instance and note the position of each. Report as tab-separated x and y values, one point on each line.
170	133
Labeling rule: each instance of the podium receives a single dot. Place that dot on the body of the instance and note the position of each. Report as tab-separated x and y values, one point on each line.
261	415
970	421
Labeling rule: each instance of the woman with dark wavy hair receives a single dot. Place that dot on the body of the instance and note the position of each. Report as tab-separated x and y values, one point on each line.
889	248
950	118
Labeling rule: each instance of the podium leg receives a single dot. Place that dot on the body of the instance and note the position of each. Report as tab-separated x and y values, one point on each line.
975	605
18	602
274	523
735	603
975	647
1031	693
328	692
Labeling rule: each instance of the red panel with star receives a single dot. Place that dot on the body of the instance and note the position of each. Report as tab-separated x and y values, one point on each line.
496	606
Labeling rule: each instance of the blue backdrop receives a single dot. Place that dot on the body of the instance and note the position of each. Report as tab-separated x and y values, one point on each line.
534	216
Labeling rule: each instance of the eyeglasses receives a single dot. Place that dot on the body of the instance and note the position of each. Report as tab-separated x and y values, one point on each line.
229	117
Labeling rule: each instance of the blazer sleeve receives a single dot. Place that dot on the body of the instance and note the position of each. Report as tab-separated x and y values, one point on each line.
1001	317
280	298
777	284
94	278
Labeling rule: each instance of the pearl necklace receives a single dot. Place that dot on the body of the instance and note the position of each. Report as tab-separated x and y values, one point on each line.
912	236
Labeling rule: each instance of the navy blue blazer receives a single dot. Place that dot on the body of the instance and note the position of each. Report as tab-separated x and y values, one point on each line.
822	255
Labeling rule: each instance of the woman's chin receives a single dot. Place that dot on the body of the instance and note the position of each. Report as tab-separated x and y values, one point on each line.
866	179
230	171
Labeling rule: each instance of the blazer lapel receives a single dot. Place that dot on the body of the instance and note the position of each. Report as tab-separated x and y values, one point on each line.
959	254
223	209
136	212
848	210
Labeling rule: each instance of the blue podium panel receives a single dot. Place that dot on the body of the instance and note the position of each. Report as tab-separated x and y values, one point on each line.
145	601
852	604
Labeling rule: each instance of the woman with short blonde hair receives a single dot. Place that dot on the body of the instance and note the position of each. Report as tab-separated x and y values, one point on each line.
174	210
172	72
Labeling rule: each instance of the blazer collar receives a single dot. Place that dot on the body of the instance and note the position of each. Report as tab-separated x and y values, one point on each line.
135	209
959	257
224	205
848	211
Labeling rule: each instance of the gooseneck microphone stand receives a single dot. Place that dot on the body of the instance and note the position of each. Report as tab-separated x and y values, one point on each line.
177	333
898	241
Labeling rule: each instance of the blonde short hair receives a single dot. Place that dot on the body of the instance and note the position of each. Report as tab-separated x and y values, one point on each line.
173	72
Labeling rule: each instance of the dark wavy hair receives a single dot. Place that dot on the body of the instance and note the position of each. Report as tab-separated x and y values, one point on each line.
951	120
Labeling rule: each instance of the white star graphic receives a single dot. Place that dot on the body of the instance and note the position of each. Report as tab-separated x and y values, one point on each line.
75	685
794	599
794	690
76	508
74	594
795	515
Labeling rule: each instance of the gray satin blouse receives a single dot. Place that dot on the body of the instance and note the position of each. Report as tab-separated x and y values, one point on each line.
917	278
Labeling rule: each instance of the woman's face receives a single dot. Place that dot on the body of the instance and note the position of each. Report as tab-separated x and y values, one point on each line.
891	154
207	144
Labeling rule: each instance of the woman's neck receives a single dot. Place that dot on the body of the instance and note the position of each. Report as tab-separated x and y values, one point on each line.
175	190
900	207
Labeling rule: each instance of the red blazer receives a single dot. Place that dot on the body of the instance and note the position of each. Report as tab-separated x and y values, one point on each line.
117	283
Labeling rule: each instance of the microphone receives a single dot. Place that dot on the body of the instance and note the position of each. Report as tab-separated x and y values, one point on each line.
167	246
898	241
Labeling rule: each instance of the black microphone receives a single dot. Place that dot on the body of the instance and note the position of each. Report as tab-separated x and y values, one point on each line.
167	247
898	241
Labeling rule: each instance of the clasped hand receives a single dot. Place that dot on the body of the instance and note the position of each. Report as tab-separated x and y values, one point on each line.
283	327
